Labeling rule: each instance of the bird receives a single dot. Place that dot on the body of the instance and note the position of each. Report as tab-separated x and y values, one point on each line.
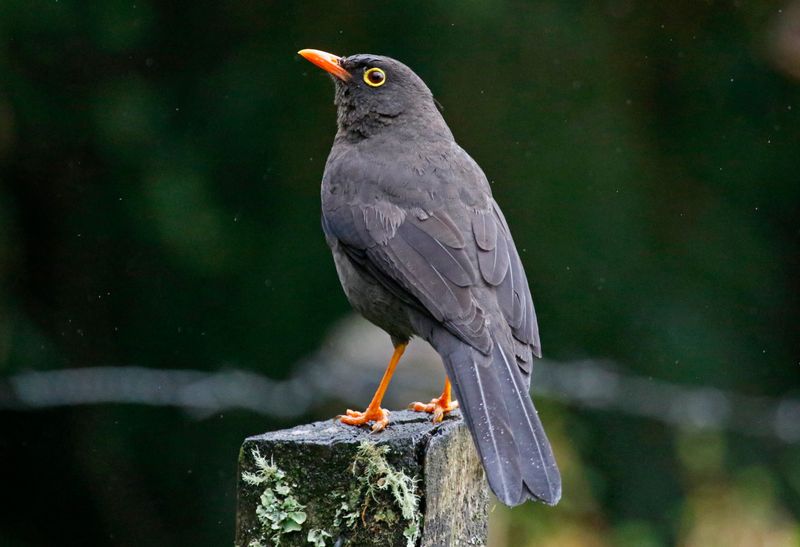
422	249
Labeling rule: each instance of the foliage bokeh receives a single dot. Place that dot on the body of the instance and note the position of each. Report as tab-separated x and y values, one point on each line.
159	170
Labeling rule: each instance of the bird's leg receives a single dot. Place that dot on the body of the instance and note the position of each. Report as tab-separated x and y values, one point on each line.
374	412
439	406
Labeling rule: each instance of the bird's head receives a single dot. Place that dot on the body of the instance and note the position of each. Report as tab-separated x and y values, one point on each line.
374	92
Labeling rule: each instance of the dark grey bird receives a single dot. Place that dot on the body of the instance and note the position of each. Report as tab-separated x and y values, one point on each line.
422	249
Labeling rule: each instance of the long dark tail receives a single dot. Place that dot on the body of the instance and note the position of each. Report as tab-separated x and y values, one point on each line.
505	426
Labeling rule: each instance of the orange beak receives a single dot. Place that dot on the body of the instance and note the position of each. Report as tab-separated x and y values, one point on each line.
326	61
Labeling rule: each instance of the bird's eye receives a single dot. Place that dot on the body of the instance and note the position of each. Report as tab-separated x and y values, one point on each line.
375	77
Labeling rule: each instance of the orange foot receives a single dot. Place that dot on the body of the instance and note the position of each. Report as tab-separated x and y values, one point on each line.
377	415
438	407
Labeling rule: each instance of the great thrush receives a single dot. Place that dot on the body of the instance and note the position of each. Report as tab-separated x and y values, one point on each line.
422	249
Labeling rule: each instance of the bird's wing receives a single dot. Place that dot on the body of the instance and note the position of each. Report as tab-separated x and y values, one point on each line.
420	257
501	267
440	266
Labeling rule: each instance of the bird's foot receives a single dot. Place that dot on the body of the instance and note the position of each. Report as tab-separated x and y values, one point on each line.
378	415
438	407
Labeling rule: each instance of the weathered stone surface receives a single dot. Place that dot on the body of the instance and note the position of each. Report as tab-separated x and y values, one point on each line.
339	485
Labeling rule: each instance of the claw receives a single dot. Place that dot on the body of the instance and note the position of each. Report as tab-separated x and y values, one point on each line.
377	415
438	407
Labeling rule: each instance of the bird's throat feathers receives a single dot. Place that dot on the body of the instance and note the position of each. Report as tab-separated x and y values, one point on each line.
363	113
359	117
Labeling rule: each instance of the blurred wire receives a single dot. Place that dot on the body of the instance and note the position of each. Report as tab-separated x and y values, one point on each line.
336	372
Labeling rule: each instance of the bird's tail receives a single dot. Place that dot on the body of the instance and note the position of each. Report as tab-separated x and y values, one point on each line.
505	426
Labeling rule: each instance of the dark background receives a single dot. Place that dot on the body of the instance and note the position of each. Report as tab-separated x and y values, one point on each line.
159	207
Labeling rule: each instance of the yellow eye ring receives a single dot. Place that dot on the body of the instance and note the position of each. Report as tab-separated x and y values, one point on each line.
375	77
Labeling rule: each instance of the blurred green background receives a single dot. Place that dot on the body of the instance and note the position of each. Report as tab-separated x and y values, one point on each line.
159	207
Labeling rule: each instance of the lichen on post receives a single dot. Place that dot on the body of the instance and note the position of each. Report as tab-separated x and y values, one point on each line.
416	483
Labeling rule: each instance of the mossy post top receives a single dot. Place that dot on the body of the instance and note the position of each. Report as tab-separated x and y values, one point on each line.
416	483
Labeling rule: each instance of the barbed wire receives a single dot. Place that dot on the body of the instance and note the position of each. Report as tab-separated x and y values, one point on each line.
588	383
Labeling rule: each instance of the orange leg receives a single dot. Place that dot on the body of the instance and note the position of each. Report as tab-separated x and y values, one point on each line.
438	407
374	412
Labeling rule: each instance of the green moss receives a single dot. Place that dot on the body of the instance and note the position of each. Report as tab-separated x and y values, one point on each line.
374	477
375	503
316	537
278	511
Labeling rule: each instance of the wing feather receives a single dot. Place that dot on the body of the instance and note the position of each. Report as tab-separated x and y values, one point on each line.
452	262
424	258
485	230
493	258
513	293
